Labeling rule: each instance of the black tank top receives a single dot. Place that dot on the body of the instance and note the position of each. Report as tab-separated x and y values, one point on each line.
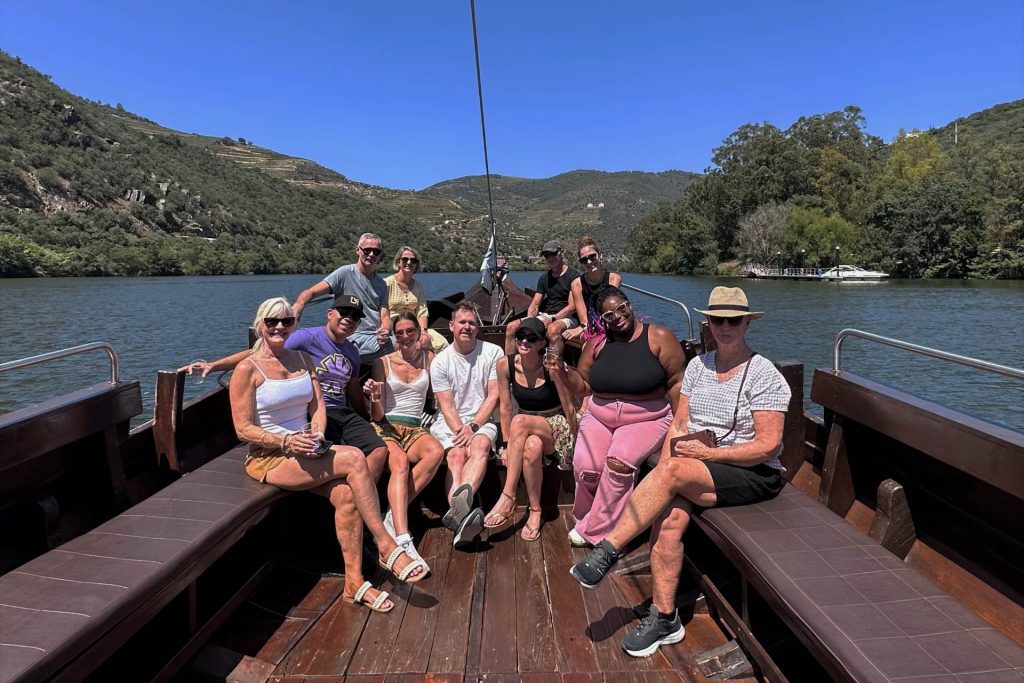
537	399
627	368
590	290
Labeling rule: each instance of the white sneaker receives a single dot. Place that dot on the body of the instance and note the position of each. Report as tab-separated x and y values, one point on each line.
410	548
577	541
389	525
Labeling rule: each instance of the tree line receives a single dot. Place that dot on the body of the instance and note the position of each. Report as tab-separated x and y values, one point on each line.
825	190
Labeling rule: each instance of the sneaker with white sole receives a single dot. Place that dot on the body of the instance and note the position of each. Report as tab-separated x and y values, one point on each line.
577	541
470	528
652	633
462	503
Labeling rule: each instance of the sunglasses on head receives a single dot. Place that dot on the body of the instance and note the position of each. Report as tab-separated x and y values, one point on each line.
287	321
371	251
621	311
528	337
350	313
733	321
406	261
592	258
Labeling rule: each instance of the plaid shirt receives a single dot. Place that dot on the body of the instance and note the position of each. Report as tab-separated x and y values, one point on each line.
712	403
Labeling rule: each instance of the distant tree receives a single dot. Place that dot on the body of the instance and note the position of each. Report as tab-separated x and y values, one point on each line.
761	232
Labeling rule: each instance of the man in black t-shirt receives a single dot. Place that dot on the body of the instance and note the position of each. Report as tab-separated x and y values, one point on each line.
552	302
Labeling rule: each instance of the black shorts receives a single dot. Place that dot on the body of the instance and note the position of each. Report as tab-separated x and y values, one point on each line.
735	485
346	427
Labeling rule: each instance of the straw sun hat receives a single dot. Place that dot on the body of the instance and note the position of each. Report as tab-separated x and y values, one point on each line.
729	302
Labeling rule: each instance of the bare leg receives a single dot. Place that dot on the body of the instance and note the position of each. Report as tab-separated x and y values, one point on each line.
426	453
398	487
524	428
667	553
476	463
376	460
685	477
533	475
456	459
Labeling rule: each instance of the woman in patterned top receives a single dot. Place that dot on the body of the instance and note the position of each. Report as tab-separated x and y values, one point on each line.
722	449
406	294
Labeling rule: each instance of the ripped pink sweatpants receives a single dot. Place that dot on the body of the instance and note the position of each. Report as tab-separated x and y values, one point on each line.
628	431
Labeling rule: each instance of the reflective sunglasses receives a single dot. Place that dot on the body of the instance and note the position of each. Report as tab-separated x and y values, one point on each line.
733	321
621	311
371	251
350	313
588	259
273	322
528	337
406	261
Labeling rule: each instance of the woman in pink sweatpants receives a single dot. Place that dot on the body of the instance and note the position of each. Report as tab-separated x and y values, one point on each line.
632	374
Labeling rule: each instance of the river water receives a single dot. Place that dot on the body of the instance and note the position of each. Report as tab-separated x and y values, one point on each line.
162	323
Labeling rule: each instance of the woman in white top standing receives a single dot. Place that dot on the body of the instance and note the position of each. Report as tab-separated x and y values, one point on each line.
277	407
398	391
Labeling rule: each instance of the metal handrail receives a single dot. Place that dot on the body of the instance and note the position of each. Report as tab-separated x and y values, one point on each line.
115	363
923	350
680	304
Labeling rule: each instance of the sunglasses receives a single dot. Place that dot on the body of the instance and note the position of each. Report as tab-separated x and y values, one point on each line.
589	259
273	322
371	251
549	254
350	313
406	261
527	337
620	311
733	321
408	332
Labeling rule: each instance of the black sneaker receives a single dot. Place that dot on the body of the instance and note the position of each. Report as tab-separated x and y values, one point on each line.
599	562
652	633
470	528
462	503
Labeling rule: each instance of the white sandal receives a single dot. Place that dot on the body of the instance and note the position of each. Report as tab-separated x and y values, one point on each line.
404	575
358	599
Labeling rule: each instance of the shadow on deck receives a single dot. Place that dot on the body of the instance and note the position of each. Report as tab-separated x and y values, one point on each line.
506	610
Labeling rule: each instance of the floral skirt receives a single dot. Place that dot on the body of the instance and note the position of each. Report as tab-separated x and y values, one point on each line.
405	435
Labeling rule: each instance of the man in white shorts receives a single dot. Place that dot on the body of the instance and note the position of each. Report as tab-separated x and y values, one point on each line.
464	378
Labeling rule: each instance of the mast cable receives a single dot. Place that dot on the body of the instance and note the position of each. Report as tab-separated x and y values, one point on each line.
483	126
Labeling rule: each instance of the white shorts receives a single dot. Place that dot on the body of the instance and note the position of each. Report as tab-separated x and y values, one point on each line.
441	432
548	319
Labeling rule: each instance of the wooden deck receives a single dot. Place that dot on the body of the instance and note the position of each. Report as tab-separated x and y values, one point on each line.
507	610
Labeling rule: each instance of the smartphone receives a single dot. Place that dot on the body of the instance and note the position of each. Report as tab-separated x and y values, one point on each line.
325	446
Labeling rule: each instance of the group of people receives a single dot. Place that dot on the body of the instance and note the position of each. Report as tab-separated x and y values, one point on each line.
328	408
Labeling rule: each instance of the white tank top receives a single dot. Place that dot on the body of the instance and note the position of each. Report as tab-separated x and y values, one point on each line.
406	399
281	404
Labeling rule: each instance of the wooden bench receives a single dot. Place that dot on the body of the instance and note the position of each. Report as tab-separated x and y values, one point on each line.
68	611
942	490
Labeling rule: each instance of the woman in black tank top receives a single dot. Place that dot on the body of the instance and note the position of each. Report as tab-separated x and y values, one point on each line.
593	279
632	375
539	429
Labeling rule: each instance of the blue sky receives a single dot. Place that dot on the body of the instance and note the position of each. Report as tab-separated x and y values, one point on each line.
385	92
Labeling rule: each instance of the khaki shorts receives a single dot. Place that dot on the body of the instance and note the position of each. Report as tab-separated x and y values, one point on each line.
261	460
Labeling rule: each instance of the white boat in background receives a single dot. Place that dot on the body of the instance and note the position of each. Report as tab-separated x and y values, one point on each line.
852	274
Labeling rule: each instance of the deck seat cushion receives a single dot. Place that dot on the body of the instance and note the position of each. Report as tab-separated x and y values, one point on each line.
876	618
61	603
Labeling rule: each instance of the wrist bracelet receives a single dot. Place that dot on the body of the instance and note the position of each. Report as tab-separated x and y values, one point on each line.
284	443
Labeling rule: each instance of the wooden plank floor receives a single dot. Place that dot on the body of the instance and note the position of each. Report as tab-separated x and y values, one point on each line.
506	610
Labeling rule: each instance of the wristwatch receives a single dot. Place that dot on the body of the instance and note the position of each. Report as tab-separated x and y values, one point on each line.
474	426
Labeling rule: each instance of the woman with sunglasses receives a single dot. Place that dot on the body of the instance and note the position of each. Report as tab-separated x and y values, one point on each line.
723	449
632	375
538	428
273	393
593	279
398	392
405	293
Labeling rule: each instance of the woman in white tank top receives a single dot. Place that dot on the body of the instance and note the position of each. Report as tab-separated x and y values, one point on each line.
271	395
398	391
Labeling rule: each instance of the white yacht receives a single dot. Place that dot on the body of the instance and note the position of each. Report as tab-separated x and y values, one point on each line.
852	274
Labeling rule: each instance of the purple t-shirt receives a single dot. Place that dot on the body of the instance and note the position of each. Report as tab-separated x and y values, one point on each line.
335	363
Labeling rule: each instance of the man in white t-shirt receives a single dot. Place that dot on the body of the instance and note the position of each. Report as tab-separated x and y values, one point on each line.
465	381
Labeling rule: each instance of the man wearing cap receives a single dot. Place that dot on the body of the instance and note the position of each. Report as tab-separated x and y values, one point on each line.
552	303
373	336
464	377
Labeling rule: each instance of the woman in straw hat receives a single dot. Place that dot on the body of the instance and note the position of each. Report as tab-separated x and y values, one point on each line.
722	449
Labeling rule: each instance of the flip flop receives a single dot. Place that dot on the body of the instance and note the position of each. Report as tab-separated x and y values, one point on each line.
502	517
534	532
360	599
404	575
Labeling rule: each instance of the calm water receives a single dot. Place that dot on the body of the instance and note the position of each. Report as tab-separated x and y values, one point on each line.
162	323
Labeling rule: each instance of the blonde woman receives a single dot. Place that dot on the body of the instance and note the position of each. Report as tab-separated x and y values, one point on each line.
405	293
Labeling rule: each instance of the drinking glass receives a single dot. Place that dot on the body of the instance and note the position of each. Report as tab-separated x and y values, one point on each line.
316	434
199	378
551	358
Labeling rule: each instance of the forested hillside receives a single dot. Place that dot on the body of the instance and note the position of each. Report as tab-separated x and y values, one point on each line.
944	203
